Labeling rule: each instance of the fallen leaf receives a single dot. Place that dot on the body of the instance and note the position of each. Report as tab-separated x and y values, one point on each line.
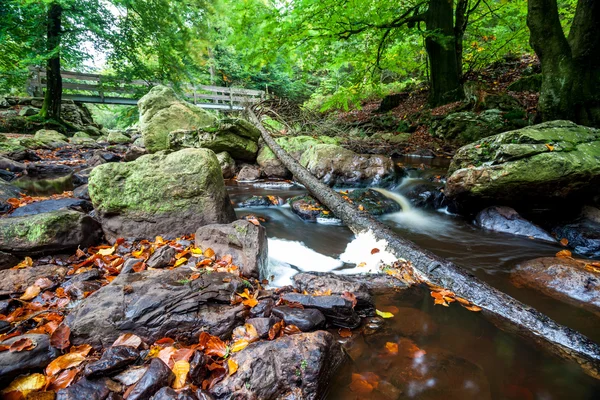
361	208
350	297
63	362
232	366
26	384
375	251
166	355
239	345
215	346
128	339
83	349
107	252
564	254
345	332
209	253
27	262
31	292
291	330
196	251
180	369
361	385
250	303
564	241
180	261
550	147
274	331
392	348
473	308
21	345
384	314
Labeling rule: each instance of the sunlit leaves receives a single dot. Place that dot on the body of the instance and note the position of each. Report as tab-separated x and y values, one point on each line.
180	369
384	314
26	384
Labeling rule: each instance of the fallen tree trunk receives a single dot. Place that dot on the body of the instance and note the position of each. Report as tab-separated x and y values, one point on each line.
503	310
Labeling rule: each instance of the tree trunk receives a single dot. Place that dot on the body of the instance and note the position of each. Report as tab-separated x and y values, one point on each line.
570	67
502	309
53	96
440	43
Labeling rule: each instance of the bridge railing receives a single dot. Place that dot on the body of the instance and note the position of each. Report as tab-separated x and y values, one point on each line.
95	88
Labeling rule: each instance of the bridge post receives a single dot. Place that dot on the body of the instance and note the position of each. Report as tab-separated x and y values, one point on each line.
230	98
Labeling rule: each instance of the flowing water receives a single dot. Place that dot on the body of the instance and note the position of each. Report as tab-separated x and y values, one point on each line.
443	352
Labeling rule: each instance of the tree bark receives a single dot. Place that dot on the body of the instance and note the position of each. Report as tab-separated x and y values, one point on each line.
53	95
570	66
440	43
503	310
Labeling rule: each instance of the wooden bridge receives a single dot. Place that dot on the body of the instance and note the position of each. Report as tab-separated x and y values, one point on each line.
94	88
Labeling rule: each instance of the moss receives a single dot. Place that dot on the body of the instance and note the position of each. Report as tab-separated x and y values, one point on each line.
37	229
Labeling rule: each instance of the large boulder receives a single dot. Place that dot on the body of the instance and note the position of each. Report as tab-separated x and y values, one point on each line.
48	232
227	164
116	137
244	241
298	366
534	166
295	146
160	194
507	220
50	137
159	303
161	112
237	138
562	278
337	166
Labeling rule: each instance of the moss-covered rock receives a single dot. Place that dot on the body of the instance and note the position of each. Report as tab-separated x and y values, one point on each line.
160	194
540	164
116	137
294	146
50	137
47	232
7	191
161	112
227	164
10	145
337	166
531	83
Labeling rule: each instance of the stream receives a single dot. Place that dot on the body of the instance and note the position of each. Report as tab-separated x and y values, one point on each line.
441	352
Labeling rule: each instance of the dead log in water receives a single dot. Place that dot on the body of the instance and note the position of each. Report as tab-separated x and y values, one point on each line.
503	310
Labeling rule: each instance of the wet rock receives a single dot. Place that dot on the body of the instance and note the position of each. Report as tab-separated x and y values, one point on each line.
296	366
86	389
113	360
428	196
263	325
16	363
10	165
51	137
337	310
7	175
507	220
78	289
248	173
134	152
48	171
161	257
157	376
82	177
82	192
131	375
28	111
116	137
53	205
562	278
158	303
337	166
262	201
227	164
244	241
17	280
183	191
128	265
162	112
337	284
102	157
532	167
306	320
7	191
263	308
583	236
7	260
47	232
198	370
309	209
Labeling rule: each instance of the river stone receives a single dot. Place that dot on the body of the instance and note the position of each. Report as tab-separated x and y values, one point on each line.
337	166
530	167
159	303
583	235
50	137
466	127
227	164
10	165
161	257
134	152
217	140
83	142
7	260
16	363
337	310
116	137
7	191
307	319
17	280
295	146
298	366
82	192
161	112
507	220
562	278
244	241
428	196
262	201
157	376
113	360
182	191
86	389
45	206
48	232
249	173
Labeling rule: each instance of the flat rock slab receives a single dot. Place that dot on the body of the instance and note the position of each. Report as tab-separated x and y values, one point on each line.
19	362
562	278
156	304
507	220
291	367
17	280
337	310
52	205
337	285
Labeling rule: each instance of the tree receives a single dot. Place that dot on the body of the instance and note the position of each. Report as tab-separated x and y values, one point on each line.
570	64
53	95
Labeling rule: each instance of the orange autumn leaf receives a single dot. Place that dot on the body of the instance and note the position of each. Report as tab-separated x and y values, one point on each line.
180	261
274	331
392	348
291	330
31	292
63	362
564	254
209	253
250	303
564	241
180	369
473	308
215	347
63	379
362	385
232	366
345	332
22	344
128	339
375	251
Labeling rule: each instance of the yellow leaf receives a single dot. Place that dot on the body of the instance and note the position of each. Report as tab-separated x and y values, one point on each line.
564	254
245	294
384	314
180	261
26	384
239	345
31	292
550	147
159	240
391	347
27	262
196	251
139	252
66	361
180	369
361	208
250	303
106	252
232	366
